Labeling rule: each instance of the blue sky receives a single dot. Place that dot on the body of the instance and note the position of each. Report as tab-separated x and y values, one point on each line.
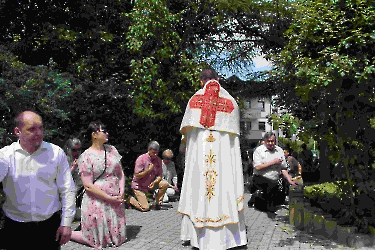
259	64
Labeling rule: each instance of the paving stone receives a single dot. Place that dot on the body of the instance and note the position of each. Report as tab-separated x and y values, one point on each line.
161	230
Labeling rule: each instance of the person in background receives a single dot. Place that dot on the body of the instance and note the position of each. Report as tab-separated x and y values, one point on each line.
147	177
245	167
72	149
180	164
103	221
39	189
169	174
295	168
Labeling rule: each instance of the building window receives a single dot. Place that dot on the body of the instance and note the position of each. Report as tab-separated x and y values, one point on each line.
245	127
262	126
246	105
261	105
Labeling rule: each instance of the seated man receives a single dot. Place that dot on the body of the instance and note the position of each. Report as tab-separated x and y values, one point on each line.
147	177
169	174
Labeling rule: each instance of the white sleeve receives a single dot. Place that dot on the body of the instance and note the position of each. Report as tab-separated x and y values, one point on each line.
4	166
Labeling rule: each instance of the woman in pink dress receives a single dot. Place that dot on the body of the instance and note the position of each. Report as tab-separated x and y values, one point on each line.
103	220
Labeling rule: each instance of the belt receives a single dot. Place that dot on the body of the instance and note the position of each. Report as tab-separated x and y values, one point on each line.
38	223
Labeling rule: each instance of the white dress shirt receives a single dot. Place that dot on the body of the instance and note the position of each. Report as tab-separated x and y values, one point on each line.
4	166
37	185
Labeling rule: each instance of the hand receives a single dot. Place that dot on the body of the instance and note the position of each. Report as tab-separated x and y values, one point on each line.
151	186
298	180
150	167
117	199
175	188
277	161
122	195
291	182
63	233
74	164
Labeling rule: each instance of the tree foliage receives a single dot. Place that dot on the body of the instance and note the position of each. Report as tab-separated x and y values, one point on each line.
83	46
162	70
328	64
131	64
32	87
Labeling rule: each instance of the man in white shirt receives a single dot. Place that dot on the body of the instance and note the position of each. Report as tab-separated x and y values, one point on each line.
39	189
269	162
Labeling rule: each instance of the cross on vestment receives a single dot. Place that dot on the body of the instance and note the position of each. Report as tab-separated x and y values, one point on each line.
210	103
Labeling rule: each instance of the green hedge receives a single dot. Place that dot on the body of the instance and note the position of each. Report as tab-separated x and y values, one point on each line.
327	191
347	203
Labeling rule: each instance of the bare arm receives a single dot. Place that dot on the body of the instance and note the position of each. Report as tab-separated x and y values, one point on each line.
288	177
267	164
142	174
122	184
299	169
152	184
157	180
87	181
74	165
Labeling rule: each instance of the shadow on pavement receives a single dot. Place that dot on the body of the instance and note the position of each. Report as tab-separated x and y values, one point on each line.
312	240
132	231
302	236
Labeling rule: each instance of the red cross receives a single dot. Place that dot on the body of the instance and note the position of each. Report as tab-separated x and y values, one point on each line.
210	103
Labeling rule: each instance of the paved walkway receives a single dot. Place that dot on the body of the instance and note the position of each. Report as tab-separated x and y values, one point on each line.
161	230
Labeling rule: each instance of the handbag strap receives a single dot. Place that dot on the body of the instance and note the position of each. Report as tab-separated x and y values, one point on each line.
105	165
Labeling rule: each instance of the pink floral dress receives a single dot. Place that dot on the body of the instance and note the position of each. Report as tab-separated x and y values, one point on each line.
103	224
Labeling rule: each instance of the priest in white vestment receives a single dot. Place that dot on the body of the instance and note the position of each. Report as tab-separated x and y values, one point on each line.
212	193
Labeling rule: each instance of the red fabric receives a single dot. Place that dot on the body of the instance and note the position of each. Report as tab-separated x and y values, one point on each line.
210	103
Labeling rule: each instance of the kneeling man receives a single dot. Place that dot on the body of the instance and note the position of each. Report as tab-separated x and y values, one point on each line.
148	177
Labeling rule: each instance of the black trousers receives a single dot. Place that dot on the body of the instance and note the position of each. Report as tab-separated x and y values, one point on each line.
32	235
269	188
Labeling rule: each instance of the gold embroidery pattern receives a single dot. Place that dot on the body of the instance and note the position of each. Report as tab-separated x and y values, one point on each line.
211	138
240	199
210	175
218	220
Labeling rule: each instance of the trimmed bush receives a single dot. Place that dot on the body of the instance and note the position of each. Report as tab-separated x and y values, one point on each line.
349	204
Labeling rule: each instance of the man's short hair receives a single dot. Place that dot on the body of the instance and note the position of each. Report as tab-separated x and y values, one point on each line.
18	121
153	145
167	151
268	135
208	74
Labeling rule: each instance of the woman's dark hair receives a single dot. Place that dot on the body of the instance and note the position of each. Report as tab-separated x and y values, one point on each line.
92	128
289	149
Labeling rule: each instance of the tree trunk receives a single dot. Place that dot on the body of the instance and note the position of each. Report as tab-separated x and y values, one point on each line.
325	164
